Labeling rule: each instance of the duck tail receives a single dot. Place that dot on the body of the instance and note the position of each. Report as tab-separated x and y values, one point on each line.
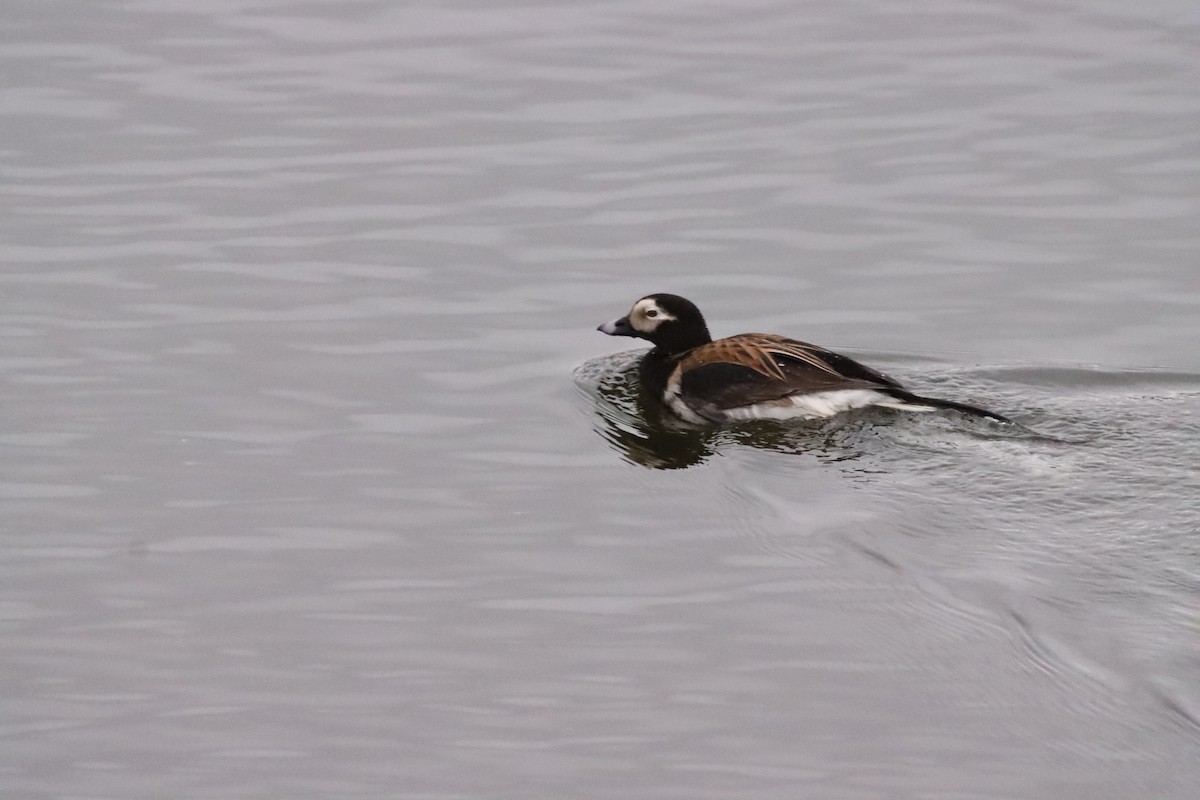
914	402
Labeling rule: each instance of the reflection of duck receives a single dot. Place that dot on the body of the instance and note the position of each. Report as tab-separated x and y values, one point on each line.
642	430
754	375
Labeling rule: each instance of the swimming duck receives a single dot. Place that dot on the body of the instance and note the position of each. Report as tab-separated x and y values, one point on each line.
754	375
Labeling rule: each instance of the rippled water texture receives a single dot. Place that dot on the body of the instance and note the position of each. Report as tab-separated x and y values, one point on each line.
317	480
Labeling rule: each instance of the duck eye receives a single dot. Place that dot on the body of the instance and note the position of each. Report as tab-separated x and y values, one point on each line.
652	312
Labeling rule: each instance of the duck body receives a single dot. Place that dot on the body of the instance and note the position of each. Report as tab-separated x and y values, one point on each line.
754	375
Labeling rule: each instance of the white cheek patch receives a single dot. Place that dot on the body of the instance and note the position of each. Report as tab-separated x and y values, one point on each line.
640	317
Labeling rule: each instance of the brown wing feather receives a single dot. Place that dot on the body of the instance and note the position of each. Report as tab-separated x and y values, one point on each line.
759	367
777	357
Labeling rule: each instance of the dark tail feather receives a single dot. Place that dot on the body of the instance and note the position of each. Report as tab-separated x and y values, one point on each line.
933	402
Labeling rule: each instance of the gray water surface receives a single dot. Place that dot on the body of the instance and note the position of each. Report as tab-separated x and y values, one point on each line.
317	481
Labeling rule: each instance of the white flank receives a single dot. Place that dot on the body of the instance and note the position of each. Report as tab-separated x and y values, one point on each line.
818	404
674	402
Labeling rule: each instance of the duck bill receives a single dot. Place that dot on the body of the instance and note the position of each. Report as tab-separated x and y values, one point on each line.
618	327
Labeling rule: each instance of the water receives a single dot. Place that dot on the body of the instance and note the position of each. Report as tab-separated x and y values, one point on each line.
319	482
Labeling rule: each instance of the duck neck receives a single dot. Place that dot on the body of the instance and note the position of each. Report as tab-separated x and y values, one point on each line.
679	342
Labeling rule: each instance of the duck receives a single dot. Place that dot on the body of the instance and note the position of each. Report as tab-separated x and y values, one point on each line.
754	376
